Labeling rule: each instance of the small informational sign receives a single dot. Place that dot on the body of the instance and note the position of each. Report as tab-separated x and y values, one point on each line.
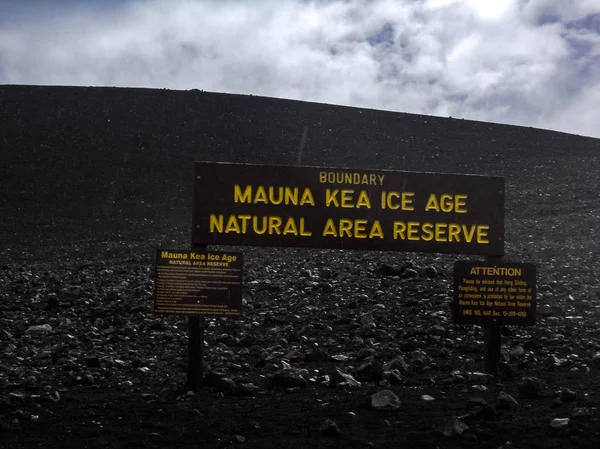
341	208
485	292
205	283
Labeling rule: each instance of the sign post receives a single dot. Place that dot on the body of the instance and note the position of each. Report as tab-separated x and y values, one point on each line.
492	346
198	283
492	294
195	347
195	367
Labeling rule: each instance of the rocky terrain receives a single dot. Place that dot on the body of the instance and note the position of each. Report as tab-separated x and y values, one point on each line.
340	349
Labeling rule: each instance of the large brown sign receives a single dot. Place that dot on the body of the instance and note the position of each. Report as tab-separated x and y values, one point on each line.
485	292
339	208
205	283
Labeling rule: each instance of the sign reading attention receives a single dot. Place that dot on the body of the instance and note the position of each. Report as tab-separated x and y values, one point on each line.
315	207
502	291
206	283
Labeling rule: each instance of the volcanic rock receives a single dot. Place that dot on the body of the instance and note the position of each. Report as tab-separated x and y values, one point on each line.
430	272
595	361
480	378
290	378
317	355
220	382
567	395
247	389
393	376
398	363
529	387
452	427
329	428
370	371
505	400
39	329
343	380
384	400
560	423
506	371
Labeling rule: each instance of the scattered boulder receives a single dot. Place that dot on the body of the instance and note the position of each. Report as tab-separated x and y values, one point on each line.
481	378
51	397
516	351
595	361
478	401
452	427
389	270
343	380
247	340
410	273
506	371
419	360
505	400
329	428
393	377
52	302
370	371
385	400
326	273
290	378
580	412
567	395
247	389
220	382
398	363
430	272
560	423
455	377
545	311
39	329
317	355
529	388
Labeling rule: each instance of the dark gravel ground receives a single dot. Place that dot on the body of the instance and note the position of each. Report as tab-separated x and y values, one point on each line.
92	180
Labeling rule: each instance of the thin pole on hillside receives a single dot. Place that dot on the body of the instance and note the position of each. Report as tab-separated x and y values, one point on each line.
196	325
301	146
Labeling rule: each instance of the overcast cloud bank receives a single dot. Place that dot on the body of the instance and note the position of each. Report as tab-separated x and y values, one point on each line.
534	63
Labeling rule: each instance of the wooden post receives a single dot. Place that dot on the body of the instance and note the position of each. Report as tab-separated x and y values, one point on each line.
195	352
492	341
492	338
195	371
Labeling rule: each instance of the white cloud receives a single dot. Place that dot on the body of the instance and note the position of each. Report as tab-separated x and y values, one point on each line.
562	11
509	61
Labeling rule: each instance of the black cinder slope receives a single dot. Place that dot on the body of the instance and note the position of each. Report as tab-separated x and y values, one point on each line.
85	156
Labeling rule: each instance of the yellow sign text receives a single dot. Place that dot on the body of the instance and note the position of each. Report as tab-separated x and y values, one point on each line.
271	225
289	196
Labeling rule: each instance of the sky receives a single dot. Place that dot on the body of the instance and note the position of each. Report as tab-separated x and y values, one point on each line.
522	62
